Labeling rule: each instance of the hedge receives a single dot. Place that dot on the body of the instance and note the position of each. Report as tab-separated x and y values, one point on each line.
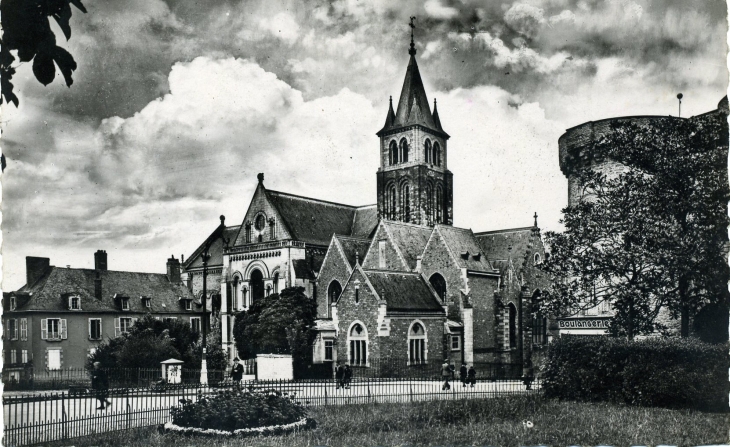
663	372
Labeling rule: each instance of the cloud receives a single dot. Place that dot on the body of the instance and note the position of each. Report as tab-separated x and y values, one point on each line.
282	25
435	9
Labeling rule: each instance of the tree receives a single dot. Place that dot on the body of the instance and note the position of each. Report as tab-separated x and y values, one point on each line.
687	162
27	29
277	324
653	236
606	254
151	341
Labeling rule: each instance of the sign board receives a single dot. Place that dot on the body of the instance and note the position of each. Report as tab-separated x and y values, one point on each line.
274	367
584	326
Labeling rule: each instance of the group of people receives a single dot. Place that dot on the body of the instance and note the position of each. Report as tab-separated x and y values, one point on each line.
467	375
343	375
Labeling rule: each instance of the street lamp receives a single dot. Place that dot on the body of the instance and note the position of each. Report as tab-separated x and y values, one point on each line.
203	362
679	97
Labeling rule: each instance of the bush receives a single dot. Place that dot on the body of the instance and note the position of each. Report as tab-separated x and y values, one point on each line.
233	410
670	372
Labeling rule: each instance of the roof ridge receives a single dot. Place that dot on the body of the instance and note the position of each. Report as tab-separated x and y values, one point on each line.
342	236
507	230
367	206
407	224
394	272
312	199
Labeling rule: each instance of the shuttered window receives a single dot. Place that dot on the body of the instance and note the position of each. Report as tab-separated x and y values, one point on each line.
53	329
24	329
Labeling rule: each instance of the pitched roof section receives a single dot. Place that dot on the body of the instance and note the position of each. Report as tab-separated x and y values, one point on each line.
465	248
353	248
365	221
404	291
502	245
311	220
303	269
217	241
50	293
411	239
413	107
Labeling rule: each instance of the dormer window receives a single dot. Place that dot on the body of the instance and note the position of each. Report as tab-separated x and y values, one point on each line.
74	303
13	303
146	301
187	303
125	303
465	255
477	256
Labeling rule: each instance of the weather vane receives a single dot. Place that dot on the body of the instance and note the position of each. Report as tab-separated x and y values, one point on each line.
412	51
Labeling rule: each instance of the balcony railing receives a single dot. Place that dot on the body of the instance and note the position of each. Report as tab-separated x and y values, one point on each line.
265	246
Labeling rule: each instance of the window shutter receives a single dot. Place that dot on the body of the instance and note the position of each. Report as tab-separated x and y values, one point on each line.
64	335
7	329
89	327
134	321
69	303
15	329
44	329
117	329
24	329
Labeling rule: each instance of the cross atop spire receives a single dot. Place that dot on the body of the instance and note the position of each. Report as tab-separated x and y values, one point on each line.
535	216
412	51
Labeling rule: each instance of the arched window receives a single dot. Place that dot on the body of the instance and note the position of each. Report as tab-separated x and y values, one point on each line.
427	150
391	202
358	345
538	259
248	232
512	325
429	203
232	300
260	223
406	201
416	344
403	150
257	285
436	154
393	153
439	203
272	229
439	285
333	294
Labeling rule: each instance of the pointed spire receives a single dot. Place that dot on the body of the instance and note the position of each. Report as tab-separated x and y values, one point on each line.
390	118
535	216
436	119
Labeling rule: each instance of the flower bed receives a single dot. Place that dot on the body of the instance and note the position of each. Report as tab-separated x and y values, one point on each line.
239	413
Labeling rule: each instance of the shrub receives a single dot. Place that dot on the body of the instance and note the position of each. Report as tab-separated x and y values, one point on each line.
670	372
233	410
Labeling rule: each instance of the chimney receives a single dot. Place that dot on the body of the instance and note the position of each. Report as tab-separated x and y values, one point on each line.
419	259
35	268
173	270
100	260
97	284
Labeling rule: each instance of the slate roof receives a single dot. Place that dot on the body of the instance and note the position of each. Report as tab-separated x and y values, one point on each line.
411	239
303	269
365	221
404	291
413	107
51	291
351	246
496	245
314	221
215	250
463	243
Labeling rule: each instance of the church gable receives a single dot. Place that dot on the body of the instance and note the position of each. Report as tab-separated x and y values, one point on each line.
260	217
383	253
333	276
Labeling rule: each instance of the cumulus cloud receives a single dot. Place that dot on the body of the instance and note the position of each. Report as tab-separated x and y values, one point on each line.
177	105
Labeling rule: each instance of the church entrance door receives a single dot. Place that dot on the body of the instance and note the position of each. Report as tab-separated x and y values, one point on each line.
257	285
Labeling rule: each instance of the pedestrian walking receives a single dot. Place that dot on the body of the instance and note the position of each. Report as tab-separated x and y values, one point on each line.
472	375
100	385
340	375
462	374
347	375
237	372
446	375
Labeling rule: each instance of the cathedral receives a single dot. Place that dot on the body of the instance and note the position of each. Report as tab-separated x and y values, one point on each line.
395	282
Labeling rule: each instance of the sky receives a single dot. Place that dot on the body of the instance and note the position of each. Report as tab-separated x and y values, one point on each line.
177	105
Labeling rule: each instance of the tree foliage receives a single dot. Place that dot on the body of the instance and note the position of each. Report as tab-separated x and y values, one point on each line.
652	236
27	30
277	324
151	341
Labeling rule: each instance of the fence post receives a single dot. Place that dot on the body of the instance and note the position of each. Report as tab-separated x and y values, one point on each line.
63	415
325	395
128	409
411	392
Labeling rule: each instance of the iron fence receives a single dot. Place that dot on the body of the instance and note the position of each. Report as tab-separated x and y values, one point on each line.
79	379
399	369
47	417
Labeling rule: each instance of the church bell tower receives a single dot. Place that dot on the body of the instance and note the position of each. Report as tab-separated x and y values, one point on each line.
414	183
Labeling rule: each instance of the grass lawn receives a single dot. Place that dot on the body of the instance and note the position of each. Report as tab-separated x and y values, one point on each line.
496	422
